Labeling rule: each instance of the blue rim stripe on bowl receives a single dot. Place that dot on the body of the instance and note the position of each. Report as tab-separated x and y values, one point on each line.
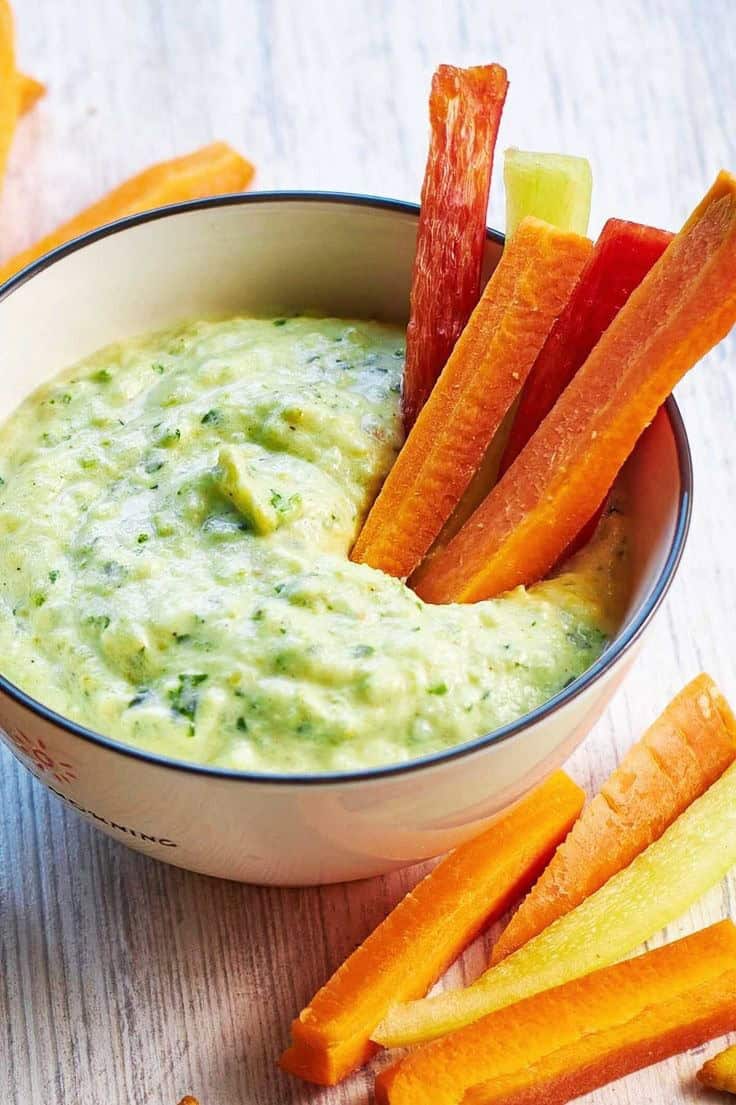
621	644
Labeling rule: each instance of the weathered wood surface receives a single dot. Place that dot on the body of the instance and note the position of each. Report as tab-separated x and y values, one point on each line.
124	982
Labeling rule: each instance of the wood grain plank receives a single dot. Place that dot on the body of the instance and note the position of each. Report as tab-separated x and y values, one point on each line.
125	982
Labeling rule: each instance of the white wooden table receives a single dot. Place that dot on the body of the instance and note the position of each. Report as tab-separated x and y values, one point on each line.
124	982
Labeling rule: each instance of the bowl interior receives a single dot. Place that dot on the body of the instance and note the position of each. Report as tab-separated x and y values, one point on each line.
338	255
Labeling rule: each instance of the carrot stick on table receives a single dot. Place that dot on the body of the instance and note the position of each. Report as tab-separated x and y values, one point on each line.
682	308
212	170
8	84
692	855
565	1042
415	944
487	368
465	108
719	1073
687	748
30	92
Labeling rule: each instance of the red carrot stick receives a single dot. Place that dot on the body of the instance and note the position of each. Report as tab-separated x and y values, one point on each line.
465	110
478	385
621	258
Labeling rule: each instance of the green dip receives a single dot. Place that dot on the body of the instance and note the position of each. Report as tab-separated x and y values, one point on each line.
176	514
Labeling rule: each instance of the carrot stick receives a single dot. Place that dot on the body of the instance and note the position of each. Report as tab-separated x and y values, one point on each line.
419	939
571	1040
486	369
212	170
30	92
632	906
621	258
17	92
719	1073
8	84
687	748
465	108
685	304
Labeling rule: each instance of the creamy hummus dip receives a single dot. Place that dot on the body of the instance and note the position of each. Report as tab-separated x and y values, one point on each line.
176	514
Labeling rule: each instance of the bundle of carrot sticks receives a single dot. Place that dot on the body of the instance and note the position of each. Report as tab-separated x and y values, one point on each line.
557	1013
213	170
588	339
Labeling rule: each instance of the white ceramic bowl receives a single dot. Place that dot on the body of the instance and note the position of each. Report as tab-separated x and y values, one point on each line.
345	255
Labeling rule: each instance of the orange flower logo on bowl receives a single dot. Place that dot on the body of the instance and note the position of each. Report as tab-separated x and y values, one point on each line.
36	751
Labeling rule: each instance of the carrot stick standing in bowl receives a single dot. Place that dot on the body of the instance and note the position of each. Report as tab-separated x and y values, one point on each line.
465	108
682	308
212	170
487	368
556	187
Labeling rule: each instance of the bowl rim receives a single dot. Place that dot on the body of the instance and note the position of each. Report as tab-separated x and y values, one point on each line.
621	644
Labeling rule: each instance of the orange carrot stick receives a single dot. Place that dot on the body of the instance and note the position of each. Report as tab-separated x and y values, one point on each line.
622	256
8	84
419	939
212	170
483	376
687	748
682	308
30	92
465	108
568	1041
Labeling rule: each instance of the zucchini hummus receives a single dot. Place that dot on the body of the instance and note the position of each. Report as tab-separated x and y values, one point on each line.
176	514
